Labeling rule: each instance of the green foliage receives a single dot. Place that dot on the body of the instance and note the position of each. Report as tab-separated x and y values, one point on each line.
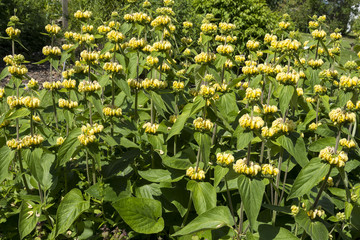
253	18
212	145
338	13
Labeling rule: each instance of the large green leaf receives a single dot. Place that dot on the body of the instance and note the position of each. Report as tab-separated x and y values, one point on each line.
6	156
285	97
268	232
298	151
212	219
315	229
177	162
204	141
40	165
4	73
189	110
159	103
69	146
28	217
244	139
308	177
251	192
219	173
70	208
161	175
141	214
203	194
19	113
227	106
322	143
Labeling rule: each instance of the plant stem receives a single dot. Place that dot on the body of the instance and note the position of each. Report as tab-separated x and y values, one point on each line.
284	181
262	150
230	202
175	143
321	189
277	183
241	219
89	103
213	138
152	111
41	193
55	112
93	171
22	171
188	210
337	140
87	166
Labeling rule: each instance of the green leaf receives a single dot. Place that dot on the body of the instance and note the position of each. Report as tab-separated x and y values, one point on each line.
308	177
244	139
159	103
157	142
298	151
268	232
69	146
212	219
70	208
219	173
315	229
227	106
4	73
27	218
6	156
95	100
355	216
189	110
203	194
285	98
65	56
176	162
19	113
204	141
251	192
40	165
322	143
160	175
141	214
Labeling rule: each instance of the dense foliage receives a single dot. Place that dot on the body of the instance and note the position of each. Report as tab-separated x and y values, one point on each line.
253	18
146	136
341	13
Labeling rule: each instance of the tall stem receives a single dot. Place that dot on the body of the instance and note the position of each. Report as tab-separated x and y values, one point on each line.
241	219
152	111
54	107
230	203
321	189
93	171
277	183
32	123
87	166
89	103
188	210
22	171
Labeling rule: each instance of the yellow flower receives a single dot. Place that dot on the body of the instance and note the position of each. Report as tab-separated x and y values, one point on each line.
241	167
246	121
108	111
151	128
60	141
224	158
197	174
337	158
201	124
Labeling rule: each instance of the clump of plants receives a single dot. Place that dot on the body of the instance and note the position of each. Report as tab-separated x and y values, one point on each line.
144	137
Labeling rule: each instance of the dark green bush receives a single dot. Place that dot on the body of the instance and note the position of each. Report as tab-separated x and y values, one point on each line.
33	15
